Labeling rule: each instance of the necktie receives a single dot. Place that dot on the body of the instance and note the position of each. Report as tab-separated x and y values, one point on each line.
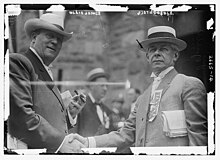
156	83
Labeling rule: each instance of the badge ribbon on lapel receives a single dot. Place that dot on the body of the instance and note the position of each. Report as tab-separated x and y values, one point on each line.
154	105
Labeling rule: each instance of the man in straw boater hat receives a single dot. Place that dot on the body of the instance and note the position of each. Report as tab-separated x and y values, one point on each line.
172	111
38	117
95	117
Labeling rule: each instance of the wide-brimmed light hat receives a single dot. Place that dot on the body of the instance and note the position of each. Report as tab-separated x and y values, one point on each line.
162	34
97	73
47	21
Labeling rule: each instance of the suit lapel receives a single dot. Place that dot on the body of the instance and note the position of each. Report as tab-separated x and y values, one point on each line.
93	108
165	83
145	101
38	66
43	74
57	94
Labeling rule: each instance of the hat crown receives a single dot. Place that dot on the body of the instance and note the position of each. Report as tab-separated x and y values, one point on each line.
95	73
53	19
48	21
161	31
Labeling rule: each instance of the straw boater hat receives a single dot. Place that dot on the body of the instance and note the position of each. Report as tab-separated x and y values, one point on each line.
97	73
47	21
162	34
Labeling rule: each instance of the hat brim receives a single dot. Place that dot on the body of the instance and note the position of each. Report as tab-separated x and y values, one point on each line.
180	43
35	23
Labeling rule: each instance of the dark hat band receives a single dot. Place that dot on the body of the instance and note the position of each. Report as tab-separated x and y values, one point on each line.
98	75
59	27
161	34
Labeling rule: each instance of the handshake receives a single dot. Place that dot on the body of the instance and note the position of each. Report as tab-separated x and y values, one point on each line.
73	143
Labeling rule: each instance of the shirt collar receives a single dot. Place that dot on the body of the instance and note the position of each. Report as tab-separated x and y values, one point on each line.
91	97
35	52
163	73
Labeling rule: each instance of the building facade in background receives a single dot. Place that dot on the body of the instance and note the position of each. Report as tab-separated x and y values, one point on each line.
108	40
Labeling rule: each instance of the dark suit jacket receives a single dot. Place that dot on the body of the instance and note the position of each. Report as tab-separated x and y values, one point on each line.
88	122
180	92
37	115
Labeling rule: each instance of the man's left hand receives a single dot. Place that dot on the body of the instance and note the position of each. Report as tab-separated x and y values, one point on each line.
76	105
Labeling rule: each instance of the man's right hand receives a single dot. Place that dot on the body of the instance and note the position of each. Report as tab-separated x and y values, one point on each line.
72	144
81	139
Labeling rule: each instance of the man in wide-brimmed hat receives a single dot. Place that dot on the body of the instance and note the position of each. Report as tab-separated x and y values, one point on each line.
172	111
38	117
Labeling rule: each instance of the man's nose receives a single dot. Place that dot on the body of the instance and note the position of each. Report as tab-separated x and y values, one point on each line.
157	53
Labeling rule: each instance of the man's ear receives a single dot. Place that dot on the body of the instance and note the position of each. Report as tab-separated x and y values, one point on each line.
33	36
176	56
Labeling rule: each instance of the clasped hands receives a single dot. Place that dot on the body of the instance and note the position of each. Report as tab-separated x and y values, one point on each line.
73	143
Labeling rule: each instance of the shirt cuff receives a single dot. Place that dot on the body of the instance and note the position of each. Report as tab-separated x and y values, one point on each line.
72	120
60	145
92	142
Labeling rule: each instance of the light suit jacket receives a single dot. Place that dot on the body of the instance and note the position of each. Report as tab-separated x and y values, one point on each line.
37	115
180	92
